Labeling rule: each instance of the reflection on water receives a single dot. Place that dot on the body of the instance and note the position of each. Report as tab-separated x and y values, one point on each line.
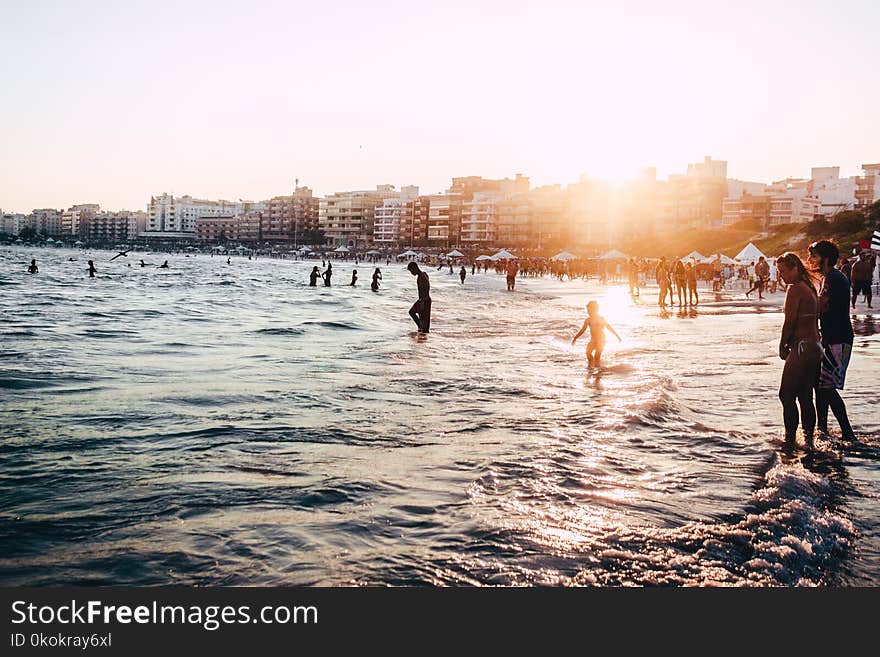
221	423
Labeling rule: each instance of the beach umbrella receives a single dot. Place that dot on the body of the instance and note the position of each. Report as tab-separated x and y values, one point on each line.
78	243
408	254
455	254
504	254
614	254
373	252
50	241
564	255
341	249
694	255
484	257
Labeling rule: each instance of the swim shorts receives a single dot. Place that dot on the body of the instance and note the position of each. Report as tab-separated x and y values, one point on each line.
835	360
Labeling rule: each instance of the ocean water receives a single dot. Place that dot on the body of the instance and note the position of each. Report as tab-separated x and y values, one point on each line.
215	424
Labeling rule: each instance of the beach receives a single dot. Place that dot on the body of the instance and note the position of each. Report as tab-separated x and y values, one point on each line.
226	424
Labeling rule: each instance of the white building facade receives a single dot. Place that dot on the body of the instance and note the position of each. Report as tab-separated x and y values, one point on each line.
178	214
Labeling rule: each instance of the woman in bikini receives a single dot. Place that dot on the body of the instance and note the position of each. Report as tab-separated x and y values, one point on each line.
799	347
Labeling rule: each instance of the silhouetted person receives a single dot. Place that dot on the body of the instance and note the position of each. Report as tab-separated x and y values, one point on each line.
377	276
861	273
511	275
799	347
837	336
691	275
421	309
473	268
33	269
92	269
762	275
354	277
142	263
164	265
313	277
597	325
462	273
328	274
228	261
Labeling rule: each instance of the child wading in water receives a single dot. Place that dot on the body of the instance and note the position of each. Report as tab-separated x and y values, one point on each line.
597	325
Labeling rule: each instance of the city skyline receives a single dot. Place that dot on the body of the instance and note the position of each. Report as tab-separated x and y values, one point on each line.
112	104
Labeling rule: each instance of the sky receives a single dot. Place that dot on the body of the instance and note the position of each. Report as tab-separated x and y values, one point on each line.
110	103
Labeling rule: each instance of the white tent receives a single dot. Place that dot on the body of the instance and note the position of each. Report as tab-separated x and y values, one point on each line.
484	257
724	259
695	255
408	254
341	249
504	254
750	253
614	254
564	255
455	254
373	252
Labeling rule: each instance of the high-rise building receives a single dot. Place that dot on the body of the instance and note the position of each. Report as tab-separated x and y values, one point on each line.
346	218
291	218
75	220
178	214
868	185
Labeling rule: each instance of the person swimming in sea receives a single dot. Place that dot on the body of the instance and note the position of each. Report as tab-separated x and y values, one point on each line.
328	274
92	269
462	274
33	269
142	263
597	325
354	277
377	276
313	277
164	265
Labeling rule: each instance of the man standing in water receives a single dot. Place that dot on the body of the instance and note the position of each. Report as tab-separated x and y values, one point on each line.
837	336
328	273
462	274
662	277
92	269
511	275
421	309
354	277
33	269
861	274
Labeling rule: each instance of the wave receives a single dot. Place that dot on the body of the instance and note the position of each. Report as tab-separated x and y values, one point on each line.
280	331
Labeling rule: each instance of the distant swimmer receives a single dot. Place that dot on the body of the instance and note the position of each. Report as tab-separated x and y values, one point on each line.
313	277
328	274
92	269
473	268
121	253
377	276
597	325
462	274
164	265
421	309
228	261
354	277
33	269
142	263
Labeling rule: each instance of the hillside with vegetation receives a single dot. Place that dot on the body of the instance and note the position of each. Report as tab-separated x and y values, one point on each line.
847	228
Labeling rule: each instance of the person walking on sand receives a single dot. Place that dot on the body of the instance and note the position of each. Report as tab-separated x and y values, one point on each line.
800	348
92	269
32	268
836	329
377	276
462	274
762	275
421	309
597	325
